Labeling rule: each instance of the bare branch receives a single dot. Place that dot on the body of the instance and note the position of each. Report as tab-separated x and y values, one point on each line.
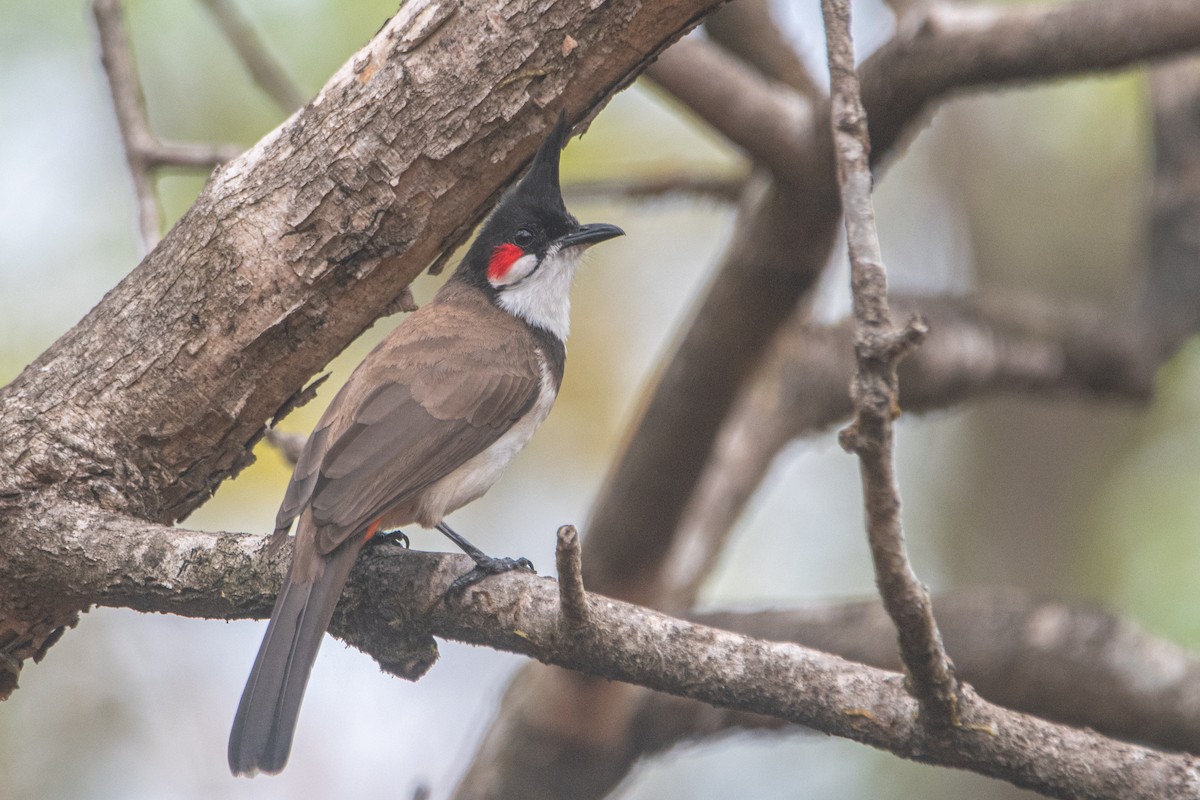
137	564
875	389
747	29
770	122
117	57
198	156
953	46
571	595
144	152
714	187
1078	666
265	70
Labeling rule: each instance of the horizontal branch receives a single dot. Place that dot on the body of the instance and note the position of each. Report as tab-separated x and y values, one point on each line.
137	564
951	46
723	189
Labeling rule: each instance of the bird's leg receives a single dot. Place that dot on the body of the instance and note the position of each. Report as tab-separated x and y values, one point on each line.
485	565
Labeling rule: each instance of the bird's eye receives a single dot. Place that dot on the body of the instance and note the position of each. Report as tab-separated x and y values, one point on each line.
523	238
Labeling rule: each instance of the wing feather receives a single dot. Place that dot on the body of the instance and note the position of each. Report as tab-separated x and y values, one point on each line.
408	416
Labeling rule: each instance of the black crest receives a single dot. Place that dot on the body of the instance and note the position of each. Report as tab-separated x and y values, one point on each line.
534	205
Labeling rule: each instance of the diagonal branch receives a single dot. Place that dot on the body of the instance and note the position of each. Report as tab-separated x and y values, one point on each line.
265	70
769	121
747	29
289	253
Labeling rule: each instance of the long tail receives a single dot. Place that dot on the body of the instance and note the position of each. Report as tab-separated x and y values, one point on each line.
266	717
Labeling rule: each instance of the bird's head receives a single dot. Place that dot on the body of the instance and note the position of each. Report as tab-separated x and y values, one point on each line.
527	252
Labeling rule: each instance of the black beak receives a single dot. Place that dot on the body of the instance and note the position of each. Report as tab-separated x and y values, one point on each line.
588	235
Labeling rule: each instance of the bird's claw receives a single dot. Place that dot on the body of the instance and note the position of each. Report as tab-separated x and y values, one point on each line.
395	538
485	567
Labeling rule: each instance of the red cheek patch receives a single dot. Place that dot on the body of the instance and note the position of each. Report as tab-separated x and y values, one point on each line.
503	257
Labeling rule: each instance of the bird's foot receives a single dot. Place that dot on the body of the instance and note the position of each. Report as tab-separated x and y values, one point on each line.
394	538
485	566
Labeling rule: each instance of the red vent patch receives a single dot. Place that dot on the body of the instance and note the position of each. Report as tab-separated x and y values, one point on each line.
503	257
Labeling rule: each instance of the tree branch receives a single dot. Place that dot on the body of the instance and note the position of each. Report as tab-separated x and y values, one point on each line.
747	29
769	121
770	264
137	564
875	390
143	151
291	251
265	70
714	187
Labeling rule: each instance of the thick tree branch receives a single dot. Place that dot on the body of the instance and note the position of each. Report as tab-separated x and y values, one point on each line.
141	565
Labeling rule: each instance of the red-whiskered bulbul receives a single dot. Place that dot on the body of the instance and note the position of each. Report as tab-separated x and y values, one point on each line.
423	426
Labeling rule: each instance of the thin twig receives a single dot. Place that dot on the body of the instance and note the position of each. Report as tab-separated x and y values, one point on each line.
875	389
571	595
144	152
117	57
198	156
723	189
265	70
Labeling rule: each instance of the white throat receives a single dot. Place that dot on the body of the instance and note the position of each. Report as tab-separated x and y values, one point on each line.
543	298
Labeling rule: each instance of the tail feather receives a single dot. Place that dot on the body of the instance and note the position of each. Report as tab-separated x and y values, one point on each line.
265	722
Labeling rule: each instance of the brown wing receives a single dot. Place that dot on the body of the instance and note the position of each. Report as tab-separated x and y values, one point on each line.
407	417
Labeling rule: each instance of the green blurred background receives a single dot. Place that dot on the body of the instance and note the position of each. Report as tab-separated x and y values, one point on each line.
1038	188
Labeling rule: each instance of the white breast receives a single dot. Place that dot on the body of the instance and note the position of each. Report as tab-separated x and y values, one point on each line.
477	475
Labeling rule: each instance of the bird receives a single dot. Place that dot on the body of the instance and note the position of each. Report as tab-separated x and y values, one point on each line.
423	426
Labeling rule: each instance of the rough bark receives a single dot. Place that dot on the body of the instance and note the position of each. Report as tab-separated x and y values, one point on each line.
291	251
